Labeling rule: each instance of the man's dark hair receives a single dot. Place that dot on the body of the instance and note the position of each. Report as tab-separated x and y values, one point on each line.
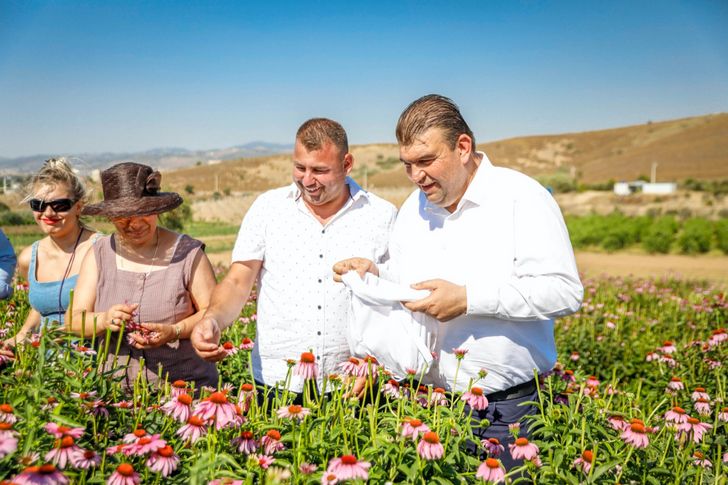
316	132
432	111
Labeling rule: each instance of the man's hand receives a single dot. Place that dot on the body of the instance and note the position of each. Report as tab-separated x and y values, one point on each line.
205	339
445	302
360	265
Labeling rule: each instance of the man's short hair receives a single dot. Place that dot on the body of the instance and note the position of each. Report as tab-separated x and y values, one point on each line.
432	111
316	132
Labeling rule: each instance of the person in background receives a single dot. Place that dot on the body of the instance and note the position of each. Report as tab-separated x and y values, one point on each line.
288	241
491	246
7	266
51	265
153	281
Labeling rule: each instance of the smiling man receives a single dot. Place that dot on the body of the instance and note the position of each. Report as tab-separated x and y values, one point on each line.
289	240
491	246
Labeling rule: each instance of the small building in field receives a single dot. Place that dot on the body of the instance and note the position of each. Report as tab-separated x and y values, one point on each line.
661	188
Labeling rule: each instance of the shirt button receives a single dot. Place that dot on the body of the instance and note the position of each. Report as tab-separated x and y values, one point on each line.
321	255
319	307
320	280
318	333
318	357
323	231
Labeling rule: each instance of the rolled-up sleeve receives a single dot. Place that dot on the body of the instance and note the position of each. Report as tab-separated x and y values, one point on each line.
8	261
545	282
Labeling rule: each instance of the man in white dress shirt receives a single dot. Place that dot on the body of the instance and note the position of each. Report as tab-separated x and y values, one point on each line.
288	241
492	247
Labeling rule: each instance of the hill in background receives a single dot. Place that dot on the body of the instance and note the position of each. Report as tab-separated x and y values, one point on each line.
685	148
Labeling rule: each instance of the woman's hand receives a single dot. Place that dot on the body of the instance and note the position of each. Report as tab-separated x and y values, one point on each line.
152	335
118	314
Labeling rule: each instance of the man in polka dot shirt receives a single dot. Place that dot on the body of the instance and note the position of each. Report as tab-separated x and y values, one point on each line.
288	241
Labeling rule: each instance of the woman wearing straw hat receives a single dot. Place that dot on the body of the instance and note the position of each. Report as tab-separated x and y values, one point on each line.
154	282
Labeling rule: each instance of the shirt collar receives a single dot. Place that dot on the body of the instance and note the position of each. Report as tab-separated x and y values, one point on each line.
475	192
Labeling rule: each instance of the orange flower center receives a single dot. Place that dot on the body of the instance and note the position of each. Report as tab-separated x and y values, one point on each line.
354	360
47	469
218	398
678	410
431	437
521	441
247	387
494	441
699	389
676	379
587	455
693	420
273	434
348	460
66	441
228	345
308	358
88	454
139	432
247	435
477	391
195	421
247	341
144	441
125	469
294	409
185	399
166	452
180	384
439	389
637	428
5	426
6	408
698	455
492	463
415	423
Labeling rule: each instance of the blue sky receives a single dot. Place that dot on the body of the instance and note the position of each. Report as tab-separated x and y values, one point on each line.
118	76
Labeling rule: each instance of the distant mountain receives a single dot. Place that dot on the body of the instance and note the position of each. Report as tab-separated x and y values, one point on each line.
162	158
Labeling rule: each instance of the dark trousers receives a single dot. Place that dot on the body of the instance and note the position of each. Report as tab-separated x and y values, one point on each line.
501	414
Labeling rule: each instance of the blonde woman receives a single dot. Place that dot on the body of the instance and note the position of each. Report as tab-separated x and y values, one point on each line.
51	265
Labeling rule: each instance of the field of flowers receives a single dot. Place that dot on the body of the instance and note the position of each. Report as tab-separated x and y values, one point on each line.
639	396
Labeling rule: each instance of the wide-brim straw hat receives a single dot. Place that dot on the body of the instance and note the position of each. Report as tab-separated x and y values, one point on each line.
132	189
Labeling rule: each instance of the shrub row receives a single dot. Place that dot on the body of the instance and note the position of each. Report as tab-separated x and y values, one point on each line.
655	234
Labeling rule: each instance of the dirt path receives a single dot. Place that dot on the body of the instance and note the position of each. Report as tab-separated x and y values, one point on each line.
713	268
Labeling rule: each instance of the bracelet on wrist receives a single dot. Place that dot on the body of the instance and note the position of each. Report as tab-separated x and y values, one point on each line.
177	332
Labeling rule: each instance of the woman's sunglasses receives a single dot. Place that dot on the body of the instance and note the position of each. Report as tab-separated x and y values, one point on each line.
58	205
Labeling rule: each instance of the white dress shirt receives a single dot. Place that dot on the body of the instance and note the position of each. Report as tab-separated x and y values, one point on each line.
300	307
507	243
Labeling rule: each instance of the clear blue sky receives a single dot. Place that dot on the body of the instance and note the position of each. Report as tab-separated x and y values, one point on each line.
115	76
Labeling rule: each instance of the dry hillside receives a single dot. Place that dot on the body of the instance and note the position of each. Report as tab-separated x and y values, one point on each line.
685	148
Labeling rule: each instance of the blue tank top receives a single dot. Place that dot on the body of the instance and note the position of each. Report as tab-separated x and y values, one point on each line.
43	296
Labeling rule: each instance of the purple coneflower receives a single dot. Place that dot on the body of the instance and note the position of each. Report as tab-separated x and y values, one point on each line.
475	398
667	347
247	344
6	414
522	449
193	430
217	408
699	459
493	447
84	395
694	427
43	474
163	461
307	468
723	415
430	447
246	443
491	471
63	452
178	387
264	461
225	481
699	393
145	445
178	407
675	384
636	435
246	396
617	422
8	440
459	353
391	389
306	368
702	406
271	442
348	467
85	459
350	367
294	411
438	397
229	348
368	367
124	475
412	427
584	462
676	415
